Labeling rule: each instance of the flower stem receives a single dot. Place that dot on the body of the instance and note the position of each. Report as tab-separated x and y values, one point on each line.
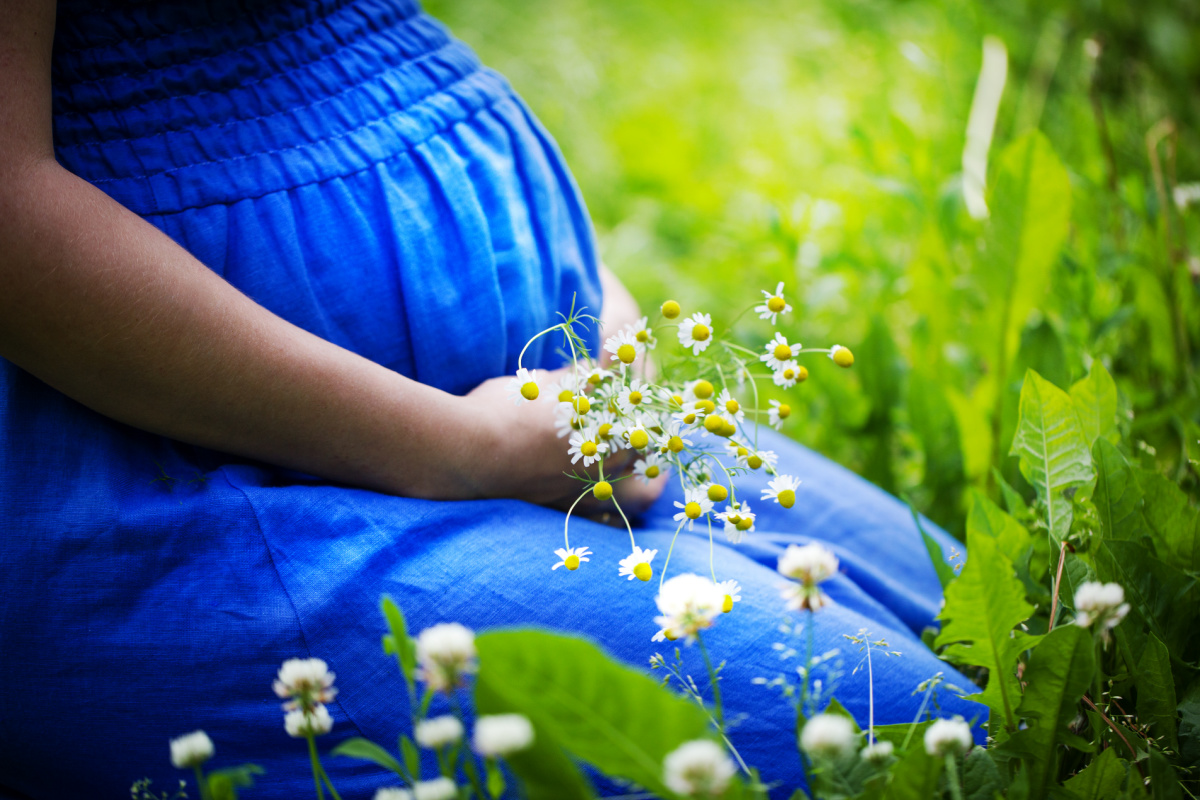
953	780
667	561
714	679
201	784
316	765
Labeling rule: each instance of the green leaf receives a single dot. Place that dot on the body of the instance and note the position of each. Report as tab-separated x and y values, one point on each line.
1031	208
366	750
580	699
495	779
1012	498
932	419
1156	691
1051	448
1118	498
1164	782
1059	672
1095	399
1175	522
915	776
945	572
983	606
981	776
1189	727
223	784
398	642
412	756
1165	598
1100	780
1011	536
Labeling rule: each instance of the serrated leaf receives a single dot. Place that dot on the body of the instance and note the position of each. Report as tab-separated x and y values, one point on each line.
1118	498
981	776
1051	448
1174	521
983	606
987	517
1165	598
1100	780
945	572
580	699
397	642
1059	672
915	776
1095	399
1156	692
1013	502
366	750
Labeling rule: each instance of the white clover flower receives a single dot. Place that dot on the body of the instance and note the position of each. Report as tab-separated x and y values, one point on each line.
634	397
586	444
878	753
738	519
789	375
438	732
307	681
778	352
191	749
502	734
672	439
649	467
1102	604
773	304
689	603
393	793
637	564
300	723
811	564
699	768
729	406
524	387
778	413
782	489
732	591
841	355
571	557
643	333
437	789
948	737
624	347
828	736
695	506
445	654
696	332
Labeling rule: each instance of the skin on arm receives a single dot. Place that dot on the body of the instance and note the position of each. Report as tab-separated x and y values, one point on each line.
104	307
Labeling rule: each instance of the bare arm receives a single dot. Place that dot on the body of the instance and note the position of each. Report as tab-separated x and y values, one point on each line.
104	307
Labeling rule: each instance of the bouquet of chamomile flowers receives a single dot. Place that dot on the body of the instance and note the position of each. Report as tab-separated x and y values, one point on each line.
696	418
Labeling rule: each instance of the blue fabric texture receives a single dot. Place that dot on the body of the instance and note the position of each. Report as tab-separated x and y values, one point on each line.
353	168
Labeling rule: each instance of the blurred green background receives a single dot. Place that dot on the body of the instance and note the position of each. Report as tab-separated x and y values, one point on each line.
725	146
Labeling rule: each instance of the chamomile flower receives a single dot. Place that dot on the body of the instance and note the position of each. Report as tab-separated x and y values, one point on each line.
841	356
738	519
789	375
773	304
634	397
697	505
728	405
672	398
696	332
755	459
700	389
782	489
636	435
637	564
595	375
733	593
688	604
524	387
571	557
586	444
688	414
566	420
649	467
778	352
566	387
672	439
778	413
643	333
608	428
624	347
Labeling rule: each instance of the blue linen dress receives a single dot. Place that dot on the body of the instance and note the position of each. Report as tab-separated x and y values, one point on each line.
354	169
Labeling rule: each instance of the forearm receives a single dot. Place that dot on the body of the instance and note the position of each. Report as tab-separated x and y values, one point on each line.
104	307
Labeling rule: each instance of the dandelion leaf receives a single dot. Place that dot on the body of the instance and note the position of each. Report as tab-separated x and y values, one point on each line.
583	702
1095	399
1051	447
983	606
1059	672
1011	536
981	777
1175	523
1100	780
945	572
1156	692
366	750
1164	781
1118	498
1163	597
915	776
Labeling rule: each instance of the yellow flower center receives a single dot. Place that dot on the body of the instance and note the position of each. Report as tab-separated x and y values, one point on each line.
627	353
692	510
707	406
670	309
785	411
733	519
595	378
642	571
671	635
713	423
754	462
700	332
639	439
572	562
745	523
789	374
787	498
782	352
732	406
776	304
675	444
529	390
602	490
565	396
605	430
727	430
635	397
802	375
717	493
588	449
742	452
727	606
688	419
652	471
582	404
843	357
702	389
676	400
642	336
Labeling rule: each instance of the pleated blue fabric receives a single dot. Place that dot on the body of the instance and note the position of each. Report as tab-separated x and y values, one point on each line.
354	169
